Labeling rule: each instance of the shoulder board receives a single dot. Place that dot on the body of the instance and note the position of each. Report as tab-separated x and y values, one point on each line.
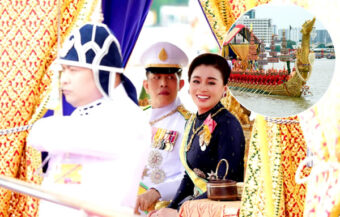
144	108
185	113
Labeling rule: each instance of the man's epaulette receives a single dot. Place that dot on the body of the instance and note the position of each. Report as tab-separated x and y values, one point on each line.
144	108
185	113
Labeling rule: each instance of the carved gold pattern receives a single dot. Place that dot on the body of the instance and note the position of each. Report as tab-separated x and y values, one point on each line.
302	54
221	14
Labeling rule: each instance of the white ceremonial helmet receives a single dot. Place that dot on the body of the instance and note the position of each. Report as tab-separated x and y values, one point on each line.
93	46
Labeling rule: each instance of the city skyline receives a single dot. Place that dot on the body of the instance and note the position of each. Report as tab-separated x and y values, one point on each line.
284	16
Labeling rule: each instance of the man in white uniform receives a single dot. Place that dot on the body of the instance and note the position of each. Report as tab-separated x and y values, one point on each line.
96	154
163	62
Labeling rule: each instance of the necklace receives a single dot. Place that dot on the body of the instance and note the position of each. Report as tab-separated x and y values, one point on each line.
164	116
195	131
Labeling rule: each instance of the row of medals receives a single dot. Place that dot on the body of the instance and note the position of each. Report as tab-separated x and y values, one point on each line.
161	141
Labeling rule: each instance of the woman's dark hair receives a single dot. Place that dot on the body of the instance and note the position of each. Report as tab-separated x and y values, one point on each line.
214	60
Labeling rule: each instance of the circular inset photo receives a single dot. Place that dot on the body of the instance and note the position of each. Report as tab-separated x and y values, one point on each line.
282	60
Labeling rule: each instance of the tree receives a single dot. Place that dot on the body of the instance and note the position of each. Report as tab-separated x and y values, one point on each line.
290	44
277	48
321	46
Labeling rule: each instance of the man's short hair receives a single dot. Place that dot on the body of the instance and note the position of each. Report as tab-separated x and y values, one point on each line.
163	70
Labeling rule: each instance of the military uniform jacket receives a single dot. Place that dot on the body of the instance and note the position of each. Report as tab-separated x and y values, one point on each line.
164	170
97	154
226	142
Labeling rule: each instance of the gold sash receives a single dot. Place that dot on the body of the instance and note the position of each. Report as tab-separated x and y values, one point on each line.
200	184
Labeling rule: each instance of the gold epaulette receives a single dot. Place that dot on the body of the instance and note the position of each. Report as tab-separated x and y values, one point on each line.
184	112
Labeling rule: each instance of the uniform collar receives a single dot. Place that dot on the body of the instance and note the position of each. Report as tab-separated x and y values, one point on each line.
118	96
203	116
89	108
159	112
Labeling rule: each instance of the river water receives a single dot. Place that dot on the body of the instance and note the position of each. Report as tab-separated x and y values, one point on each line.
283	106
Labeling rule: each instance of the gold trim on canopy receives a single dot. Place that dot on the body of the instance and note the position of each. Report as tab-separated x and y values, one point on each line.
241	50
221	14
286	149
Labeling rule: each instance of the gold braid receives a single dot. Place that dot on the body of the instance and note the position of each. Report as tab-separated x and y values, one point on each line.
164	116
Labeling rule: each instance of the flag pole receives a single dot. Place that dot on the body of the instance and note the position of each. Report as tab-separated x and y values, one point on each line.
39	192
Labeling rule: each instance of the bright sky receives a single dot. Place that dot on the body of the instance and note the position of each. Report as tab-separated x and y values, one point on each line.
285	15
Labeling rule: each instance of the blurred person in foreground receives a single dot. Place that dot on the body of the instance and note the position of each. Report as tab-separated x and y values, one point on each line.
96	154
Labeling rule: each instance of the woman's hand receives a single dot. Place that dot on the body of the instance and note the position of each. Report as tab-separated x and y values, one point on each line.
145	200
165	212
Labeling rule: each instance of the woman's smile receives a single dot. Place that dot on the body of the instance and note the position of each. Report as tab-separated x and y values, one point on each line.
206	87
203	98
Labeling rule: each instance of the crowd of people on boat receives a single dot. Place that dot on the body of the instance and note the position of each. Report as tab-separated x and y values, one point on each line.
243	72
260	79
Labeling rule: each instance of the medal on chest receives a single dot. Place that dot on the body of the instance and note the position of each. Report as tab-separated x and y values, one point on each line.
157	175
164	139
204	131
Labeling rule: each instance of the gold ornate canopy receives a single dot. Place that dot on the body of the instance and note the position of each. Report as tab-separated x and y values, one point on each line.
28	37
276	161
221	14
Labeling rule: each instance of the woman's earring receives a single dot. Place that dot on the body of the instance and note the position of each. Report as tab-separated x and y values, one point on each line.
224	94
